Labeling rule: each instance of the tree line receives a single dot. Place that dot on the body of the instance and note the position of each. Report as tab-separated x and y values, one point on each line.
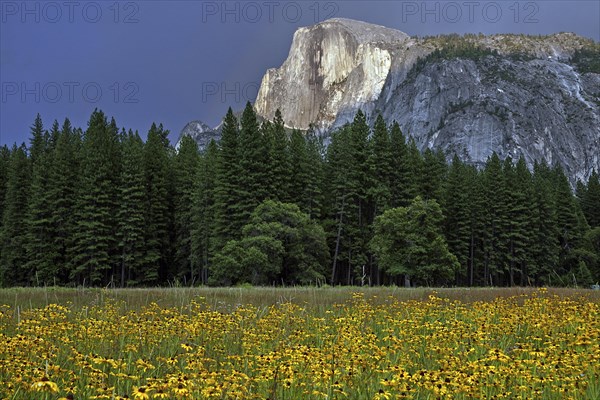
267	206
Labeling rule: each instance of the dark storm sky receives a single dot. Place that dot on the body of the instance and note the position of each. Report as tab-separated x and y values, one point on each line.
176	61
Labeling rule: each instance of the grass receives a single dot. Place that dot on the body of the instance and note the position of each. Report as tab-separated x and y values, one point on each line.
227	299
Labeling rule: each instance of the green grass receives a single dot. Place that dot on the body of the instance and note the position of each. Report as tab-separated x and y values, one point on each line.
228	299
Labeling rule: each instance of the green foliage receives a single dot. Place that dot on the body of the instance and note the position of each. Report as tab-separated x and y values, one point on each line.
14	228
94	236
408	241
185	166
203	213
280	244
590	200
158	207
131	213
228	215
587	59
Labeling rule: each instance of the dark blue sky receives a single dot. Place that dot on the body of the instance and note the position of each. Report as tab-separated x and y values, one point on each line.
176	61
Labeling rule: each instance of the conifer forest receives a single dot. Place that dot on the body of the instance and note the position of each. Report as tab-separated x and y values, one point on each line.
101	206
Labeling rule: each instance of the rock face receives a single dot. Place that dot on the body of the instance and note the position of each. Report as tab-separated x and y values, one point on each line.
521	96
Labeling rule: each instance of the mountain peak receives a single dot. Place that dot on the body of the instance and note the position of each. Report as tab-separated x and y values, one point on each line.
200	132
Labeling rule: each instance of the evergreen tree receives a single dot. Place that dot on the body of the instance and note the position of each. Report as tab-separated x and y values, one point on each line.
38	141
402	180
130	216
253	162
457	229
590	201
14	228
336	197
53	136
518	227
158	216
4	162
477	228
40	246
313	192
566	213
279	159
95	245
228	214
64	179
495	206
545	245
433	174
186	165
359	184
304	173
380	167
415	167
203	213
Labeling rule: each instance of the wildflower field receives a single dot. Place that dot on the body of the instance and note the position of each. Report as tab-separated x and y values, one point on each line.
299	344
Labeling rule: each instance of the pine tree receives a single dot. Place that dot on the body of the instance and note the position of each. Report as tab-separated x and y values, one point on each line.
159	212
433	174
495	206
64	178
380	167
299	171
415	167
545	245
477	218
203	213
53	136
280	160
186	165
253	164
518	227
4	162
566	213
40	247
14	227
130	216
402	180
336	197
457	215
349	175
590	201
313	192
38	141
95	245
228	214
359	186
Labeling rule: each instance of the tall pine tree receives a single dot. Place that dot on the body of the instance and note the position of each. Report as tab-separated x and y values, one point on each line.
14	228
95	245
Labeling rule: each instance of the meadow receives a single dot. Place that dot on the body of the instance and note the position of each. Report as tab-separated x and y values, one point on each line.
299	343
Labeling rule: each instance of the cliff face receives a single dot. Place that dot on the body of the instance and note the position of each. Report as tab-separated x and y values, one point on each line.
332	66
521	96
